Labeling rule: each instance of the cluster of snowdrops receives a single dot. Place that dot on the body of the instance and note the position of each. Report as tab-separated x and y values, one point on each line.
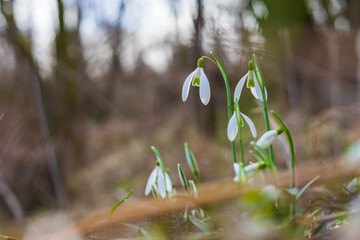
160	182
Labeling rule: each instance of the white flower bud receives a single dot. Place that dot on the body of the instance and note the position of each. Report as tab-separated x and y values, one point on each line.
267	138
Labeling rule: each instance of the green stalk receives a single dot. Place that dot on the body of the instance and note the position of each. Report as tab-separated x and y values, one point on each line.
226	80
257	156
260	79
119	203
266	157
115	206
238	120
292	159
291	146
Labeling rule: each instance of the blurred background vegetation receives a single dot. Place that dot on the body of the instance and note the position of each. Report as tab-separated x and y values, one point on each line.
86	88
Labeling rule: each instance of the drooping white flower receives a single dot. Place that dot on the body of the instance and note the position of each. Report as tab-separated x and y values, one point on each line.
232	128
161	181
240	173
249	169
268	138
252	83
237	172
197	78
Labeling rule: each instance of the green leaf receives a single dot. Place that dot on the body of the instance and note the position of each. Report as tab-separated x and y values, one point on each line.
265	156
182	178
154	192
305	187
190	158
194	191
159	158
200	224
119	203
291	145
257	156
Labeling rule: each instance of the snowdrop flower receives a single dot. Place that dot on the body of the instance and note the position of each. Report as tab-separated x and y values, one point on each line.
237	171
268	138
232	129
248	171
240	172
197	78
160	180
251	82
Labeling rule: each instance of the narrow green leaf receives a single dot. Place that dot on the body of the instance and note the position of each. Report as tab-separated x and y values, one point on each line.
190	158
159	158
156	195
257	156
182	178
200	224
265	156
119	203
305	187
291	145
194	191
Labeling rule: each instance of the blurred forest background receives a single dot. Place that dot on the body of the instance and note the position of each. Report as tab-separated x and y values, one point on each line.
86	88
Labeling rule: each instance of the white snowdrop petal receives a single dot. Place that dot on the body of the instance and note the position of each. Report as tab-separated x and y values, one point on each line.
161	184
239	87
253	91
236	179
186	86
196	194
205	92
202	214
151	180
250	124
232	128
257	89
267	139
251	168
186	211
169	185
236	169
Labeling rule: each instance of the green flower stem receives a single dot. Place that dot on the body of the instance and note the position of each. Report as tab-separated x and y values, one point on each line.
226	80
266	157
206	57
115	206
119	203
257	156
238	120
292	159
291	146
265	107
